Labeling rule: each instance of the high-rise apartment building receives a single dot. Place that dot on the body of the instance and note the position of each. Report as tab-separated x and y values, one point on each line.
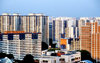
38	23
20	43
95	40
75	44
85	33
72	32
70	44
89	37
85	37
64	27
82	22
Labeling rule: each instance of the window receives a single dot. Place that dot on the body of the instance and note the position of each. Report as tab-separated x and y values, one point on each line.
83	22
53	30
63	46
10	36
88	21
65	24
34	36
62	59
45	61
98	22
36	20
1	37
62	35
72	59
22	36
44	20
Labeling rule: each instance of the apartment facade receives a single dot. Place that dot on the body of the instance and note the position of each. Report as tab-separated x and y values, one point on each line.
75	44
89	37
85	37
20	43
72	32
63	27
95	40
69	57
37	23
70	44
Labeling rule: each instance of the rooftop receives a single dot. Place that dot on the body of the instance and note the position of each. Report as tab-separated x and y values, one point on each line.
18	32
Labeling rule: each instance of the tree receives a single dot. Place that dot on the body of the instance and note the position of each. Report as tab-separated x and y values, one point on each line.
2	55
44	46
85	55
54	54
28	59
10	56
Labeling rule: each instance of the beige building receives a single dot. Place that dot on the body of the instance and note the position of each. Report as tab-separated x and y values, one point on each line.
75	44
37	23
62	26
72	32
20	43
70	44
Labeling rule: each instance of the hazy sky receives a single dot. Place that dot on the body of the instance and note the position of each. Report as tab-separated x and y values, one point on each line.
68	8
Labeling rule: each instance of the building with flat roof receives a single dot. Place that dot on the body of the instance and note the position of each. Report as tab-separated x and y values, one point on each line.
20	43
69	57
64	27
89	37
37	23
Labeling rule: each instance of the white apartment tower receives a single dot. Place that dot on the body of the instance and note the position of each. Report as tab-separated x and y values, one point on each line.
20	44
62	26
37	23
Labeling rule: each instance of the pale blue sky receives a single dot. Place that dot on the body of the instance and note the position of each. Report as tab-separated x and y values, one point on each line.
68	8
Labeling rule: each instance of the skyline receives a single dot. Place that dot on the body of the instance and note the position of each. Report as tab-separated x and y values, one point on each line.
34	34
49	31
67	8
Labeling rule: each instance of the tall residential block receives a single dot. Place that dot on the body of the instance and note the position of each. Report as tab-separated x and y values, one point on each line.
37	23
95	41
85	37
75	44
70	44
20	43
90	37
64	27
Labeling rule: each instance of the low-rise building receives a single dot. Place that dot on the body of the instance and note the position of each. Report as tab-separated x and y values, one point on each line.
68	57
